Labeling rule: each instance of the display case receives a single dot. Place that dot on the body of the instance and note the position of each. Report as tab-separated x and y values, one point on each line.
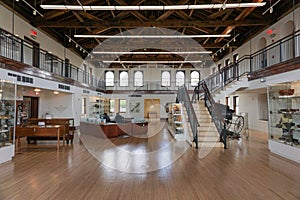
98	105
284	119
94	107
7	119
175	120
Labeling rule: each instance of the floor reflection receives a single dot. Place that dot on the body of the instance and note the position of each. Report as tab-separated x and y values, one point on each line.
137	154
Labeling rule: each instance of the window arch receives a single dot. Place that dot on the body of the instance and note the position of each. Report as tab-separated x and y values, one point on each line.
109	78
123	78
138	78
195	78
180	76
166	78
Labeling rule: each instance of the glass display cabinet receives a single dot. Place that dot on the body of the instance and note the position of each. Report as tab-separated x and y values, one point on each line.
284	119
7	120
175	120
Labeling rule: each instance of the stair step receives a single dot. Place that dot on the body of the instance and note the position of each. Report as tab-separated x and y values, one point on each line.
209	130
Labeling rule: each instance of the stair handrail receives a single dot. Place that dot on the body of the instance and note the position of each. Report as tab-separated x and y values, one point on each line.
184	98
215	112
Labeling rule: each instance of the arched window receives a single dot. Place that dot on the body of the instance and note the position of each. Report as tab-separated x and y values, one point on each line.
195	78
138	79
179	78
123	78
166	78
109	78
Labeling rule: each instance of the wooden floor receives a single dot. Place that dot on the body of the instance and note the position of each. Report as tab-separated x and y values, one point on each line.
244	171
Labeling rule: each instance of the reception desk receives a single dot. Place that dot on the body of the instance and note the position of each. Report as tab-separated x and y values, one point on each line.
111	130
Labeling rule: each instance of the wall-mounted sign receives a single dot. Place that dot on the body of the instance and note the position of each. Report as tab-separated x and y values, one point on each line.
33	34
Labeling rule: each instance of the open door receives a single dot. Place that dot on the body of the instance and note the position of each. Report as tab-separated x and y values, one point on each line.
152	108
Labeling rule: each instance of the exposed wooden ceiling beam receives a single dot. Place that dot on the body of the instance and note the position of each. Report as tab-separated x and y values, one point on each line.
166	14
53	14
166	45
82	20
241	16
165	23
137	14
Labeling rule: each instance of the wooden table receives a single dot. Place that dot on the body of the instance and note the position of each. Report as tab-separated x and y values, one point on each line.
40	131
68	124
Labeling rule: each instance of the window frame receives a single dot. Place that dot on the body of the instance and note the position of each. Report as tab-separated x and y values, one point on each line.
134	76
120	80
105	76
124	107
196	84
162	78
176	83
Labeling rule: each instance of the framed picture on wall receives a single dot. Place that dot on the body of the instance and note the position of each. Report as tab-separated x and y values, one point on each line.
135	107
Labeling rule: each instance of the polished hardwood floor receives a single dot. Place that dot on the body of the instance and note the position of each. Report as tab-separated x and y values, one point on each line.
247	170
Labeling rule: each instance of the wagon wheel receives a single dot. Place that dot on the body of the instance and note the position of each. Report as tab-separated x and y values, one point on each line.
238	124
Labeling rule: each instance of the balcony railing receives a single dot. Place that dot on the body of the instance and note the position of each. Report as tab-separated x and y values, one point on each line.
149	85
283	50
19	50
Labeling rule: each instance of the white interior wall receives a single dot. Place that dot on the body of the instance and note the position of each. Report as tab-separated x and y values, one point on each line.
58	106
164	98
249	103
6	19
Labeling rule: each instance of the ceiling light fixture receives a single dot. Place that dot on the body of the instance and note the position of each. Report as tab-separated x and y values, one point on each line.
226	45
35	11
55	92
150	36
271	7
76	44
151	52
167	7
37	90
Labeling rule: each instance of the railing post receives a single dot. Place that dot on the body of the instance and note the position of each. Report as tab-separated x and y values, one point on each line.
280	51
22	51
250	64
51	67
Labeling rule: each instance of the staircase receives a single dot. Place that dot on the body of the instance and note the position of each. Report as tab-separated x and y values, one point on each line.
208	136
242	83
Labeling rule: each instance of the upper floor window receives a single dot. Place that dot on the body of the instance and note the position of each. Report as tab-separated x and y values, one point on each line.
123	78
109	78
179	78
195	78
138	78
166	78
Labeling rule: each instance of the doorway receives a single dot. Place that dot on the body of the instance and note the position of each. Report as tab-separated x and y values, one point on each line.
35	53
152	108
27	108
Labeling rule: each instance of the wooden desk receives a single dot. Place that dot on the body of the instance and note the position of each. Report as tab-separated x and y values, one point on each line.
68	123
40	131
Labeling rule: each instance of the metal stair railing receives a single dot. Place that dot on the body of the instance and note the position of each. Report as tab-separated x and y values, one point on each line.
184	98
216	111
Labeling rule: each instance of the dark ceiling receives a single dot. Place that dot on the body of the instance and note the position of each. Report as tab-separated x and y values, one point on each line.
244	22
